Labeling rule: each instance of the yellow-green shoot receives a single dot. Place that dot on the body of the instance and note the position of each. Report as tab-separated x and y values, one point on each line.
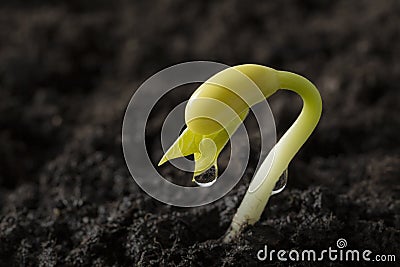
225	103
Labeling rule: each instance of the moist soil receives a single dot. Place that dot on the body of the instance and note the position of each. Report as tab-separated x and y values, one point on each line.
68	70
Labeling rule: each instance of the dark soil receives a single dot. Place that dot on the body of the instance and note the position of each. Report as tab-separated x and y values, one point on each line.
68	70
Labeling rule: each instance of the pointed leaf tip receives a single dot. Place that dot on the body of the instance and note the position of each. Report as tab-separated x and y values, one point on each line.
162	161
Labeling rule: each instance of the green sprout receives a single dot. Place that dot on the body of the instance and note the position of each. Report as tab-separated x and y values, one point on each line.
215	111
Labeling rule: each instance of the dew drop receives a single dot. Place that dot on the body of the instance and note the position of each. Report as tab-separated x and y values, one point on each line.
207	178
281	183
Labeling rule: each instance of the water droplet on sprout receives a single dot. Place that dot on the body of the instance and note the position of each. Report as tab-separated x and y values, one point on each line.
207	178
281	183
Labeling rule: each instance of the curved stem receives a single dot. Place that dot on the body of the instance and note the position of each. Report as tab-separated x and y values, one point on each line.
255	199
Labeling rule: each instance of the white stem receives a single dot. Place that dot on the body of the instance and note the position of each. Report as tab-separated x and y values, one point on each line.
255	199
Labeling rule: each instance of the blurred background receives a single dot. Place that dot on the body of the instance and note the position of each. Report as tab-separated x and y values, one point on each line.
69	68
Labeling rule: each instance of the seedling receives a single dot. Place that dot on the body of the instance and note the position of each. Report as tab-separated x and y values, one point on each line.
215	111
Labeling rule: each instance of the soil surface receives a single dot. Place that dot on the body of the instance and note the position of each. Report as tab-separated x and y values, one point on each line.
68	70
